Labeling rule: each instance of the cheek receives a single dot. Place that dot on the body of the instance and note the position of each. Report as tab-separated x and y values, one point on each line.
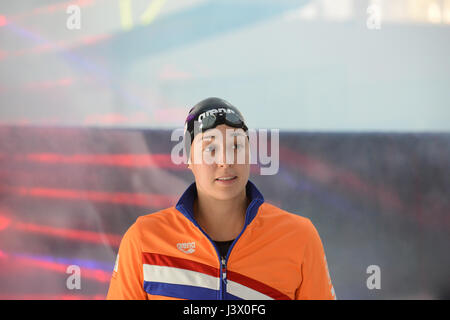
244	170
203	173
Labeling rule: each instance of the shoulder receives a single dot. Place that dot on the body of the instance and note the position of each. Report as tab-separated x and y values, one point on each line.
153	221
157	218
272	215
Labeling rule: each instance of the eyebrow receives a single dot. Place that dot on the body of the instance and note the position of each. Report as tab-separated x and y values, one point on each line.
207	137
234	134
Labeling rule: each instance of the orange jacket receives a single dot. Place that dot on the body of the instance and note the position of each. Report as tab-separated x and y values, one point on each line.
166	255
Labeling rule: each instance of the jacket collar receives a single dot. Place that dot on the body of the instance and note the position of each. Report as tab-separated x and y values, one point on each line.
186	202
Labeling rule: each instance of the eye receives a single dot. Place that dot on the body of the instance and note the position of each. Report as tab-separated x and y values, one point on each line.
210	148
238	146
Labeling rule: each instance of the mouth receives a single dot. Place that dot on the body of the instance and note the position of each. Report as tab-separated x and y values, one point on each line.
226	179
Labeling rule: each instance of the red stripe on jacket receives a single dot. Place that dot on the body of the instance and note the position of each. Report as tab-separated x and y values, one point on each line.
175	262
256	285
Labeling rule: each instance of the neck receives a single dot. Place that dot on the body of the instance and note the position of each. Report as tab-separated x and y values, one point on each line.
222	220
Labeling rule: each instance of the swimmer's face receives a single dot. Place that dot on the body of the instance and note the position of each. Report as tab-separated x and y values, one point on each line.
222	152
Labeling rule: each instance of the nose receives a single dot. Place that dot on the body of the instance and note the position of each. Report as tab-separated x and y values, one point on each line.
222	159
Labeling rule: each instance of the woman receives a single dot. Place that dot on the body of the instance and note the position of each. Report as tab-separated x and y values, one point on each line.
221	240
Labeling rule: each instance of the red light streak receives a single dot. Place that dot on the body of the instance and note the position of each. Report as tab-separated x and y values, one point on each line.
121	160
124	198
94	274
4	222
323	172
63	82
19	261
3	21
71	234
49	9
61	45
66	233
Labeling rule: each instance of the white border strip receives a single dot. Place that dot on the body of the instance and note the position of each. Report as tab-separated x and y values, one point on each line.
243	292
180	276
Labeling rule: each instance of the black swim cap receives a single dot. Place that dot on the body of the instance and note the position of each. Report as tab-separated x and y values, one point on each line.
209	113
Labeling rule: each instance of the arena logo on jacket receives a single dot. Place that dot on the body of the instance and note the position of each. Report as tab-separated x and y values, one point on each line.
186	247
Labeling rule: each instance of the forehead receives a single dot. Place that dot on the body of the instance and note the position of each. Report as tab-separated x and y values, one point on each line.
224	130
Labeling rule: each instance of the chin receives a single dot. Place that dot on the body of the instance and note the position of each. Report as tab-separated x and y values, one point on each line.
224	197
227	193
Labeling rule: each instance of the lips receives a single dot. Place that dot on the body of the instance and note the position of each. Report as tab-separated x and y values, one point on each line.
226	178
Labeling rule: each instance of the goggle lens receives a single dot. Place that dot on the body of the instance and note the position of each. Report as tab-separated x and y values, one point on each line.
212	121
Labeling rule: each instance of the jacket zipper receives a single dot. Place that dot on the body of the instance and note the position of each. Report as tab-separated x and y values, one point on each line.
224	277
218	255
225	261
221	296
222	261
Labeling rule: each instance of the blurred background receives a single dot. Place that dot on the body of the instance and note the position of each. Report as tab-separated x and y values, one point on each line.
90	91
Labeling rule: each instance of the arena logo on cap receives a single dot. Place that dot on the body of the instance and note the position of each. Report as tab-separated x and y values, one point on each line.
212	111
